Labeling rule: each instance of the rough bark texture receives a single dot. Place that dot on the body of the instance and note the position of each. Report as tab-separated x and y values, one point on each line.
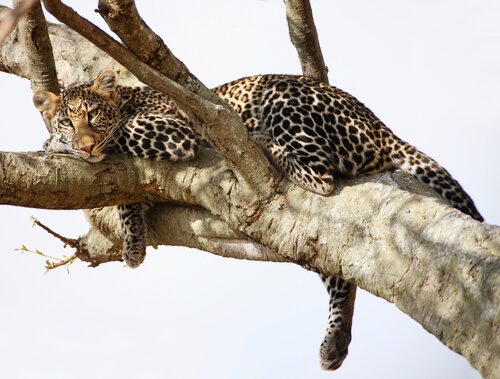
72	64
439	266
11	17
38	50
173	225
304	37
34	36
123	19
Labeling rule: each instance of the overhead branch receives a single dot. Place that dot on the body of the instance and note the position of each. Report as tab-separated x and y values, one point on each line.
216	121
82	64
38	50
124	20
304	37
40	63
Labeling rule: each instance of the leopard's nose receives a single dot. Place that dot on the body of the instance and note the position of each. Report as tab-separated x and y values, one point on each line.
88	148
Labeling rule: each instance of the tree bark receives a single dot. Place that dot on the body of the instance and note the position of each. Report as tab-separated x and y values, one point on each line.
38	50
34	36
11	17
439	266
72	64
304	37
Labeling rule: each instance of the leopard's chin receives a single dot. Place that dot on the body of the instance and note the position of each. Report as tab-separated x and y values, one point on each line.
93	158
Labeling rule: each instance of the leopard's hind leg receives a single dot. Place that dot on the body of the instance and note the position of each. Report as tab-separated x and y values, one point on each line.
311	172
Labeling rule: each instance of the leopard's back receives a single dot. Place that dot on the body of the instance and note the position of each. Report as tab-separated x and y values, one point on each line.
315	132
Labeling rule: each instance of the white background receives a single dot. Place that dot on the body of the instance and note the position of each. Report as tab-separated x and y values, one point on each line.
428	69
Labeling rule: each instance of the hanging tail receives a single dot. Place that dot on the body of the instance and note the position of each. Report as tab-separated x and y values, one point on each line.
408	158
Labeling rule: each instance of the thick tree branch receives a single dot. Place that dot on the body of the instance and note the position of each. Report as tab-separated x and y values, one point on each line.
304	37
123	18
436	261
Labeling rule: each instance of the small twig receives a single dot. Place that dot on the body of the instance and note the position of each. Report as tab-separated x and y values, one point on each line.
65	261
9	21
74	243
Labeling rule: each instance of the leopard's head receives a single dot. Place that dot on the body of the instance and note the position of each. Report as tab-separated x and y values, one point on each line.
83	116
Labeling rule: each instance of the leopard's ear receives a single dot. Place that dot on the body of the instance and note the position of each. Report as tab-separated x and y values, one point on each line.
46	103
106	84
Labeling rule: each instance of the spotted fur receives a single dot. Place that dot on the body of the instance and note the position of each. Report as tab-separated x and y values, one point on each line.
92	119
312	132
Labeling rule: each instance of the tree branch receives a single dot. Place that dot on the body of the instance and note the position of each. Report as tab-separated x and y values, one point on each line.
82	64
437	261
304	37
123	19
172	225
38	51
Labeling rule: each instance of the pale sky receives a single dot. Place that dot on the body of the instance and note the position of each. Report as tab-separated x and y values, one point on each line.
428	69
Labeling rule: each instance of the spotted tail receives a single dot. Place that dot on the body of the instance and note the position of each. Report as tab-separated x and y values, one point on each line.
428	171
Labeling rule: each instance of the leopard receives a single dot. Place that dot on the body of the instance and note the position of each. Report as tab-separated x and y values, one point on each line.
312	132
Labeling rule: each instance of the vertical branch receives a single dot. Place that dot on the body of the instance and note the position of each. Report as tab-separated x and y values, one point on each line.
304	37
123	19
34	36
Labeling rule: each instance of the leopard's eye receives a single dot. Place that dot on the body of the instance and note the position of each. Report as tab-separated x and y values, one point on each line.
92	113
66	122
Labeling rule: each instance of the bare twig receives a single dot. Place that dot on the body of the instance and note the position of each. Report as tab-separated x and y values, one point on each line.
74	243
9	22
63	262
67	241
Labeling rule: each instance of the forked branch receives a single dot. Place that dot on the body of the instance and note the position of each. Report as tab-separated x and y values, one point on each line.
216	121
